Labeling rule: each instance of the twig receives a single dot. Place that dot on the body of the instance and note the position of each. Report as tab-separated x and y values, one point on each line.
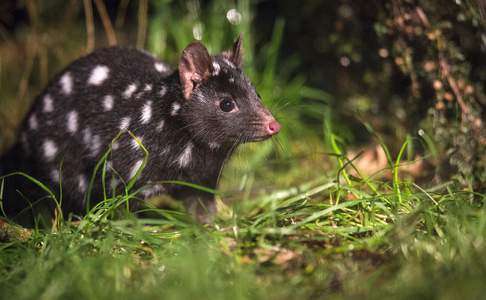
32	11
70	10
24	81
445	68
105	18
423	17
482	10
446	72
142	23
32	51
10	232
44	65
90	29
121	13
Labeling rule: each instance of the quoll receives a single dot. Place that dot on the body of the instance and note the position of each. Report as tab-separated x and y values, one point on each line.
186	123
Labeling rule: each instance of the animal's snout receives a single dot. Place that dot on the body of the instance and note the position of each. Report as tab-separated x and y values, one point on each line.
273	127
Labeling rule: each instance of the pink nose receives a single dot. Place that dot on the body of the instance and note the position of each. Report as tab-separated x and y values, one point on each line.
273	127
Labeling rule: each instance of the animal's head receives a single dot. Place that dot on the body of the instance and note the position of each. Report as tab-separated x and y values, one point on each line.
221	106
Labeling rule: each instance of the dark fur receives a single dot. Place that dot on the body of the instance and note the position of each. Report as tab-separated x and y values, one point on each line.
199	121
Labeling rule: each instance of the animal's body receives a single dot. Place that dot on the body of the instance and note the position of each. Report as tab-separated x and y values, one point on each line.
125	101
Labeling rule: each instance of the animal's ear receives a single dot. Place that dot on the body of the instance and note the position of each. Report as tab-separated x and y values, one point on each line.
235	54
194	67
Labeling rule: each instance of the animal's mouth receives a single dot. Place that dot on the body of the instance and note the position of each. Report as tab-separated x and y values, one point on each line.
266	130
260	132
258	138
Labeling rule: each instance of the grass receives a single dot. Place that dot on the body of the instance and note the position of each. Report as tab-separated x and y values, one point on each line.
300	242
298	220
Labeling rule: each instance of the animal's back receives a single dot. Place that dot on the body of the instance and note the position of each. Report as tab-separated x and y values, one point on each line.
72	123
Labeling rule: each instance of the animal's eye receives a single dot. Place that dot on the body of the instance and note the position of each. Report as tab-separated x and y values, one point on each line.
227	105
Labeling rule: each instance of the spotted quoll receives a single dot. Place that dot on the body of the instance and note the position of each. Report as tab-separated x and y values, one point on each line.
155	124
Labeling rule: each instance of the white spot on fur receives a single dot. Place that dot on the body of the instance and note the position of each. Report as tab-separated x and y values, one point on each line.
82	183
175	108
146	112
115	146
98	75
124	123
109	166
33	124
87	136
135	143
135	168
160	67
186	156
232	80
216	68
55	175
67	83
50	149
72	121
150	191
148	87
214	145
108	103
229	63
95	145
163	90
129	90
48	103
160	126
